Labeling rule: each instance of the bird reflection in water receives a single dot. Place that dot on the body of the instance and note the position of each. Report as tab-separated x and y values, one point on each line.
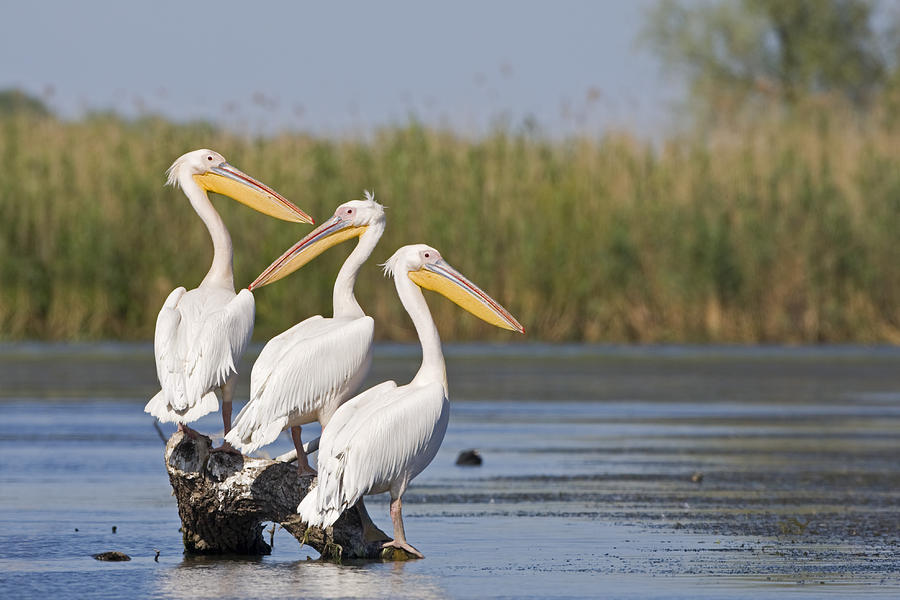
221	577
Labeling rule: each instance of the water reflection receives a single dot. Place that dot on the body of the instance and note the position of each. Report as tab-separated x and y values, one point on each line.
587	481
196	578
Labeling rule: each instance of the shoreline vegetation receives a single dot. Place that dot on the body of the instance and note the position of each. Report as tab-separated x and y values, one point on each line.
780	230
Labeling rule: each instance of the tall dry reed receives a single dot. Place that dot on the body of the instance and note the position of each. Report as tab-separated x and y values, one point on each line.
785	230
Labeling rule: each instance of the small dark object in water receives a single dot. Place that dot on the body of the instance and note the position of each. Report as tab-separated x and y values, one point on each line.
469	458
76	529
697	477
114	556
114	528
156	558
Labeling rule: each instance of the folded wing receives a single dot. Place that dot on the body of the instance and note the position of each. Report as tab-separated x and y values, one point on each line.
200	336
305	371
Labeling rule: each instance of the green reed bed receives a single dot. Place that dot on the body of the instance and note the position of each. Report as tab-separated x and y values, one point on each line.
785	231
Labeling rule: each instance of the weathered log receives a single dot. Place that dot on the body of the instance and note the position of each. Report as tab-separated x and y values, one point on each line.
224	499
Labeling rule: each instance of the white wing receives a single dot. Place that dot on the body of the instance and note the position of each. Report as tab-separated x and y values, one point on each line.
356	405
221	340
199	340
303	375
391	435
165	342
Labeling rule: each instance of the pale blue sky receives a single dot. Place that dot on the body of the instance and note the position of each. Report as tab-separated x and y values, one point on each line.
341	67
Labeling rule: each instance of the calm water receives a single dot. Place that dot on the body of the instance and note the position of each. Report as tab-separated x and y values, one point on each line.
586	488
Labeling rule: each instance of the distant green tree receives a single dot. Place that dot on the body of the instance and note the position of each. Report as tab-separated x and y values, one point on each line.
787	49
14	101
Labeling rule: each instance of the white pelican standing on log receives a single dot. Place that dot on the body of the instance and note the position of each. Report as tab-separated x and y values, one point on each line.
201	333
304	374
381	439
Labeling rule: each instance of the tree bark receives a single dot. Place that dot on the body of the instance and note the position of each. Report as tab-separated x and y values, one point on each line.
224	499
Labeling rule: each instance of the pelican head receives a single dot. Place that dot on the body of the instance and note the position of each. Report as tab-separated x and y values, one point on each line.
425	267
212	173
351	219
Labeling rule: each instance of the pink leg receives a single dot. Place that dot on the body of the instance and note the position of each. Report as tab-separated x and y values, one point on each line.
303	467
226	416
399	540
227	395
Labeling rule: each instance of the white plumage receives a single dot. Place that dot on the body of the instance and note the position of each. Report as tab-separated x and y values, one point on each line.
302	375
305	373
201	333
200	337
381	439
391	435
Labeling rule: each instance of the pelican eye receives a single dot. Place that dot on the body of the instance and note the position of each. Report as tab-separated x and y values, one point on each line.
427	255
209	158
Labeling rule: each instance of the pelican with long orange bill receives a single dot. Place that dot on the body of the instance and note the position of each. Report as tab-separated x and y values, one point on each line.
382	438
201	333
305	373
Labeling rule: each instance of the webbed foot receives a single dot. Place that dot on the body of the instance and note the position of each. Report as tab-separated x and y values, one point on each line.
191	433
226	447
306	470
403	546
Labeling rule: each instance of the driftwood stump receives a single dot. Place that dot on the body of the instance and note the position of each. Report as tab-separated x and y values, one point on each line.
224	499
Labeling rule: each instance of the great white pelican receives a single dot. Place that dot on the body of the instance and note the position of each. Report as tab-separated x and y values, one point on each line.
303	374
382	438
201	333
